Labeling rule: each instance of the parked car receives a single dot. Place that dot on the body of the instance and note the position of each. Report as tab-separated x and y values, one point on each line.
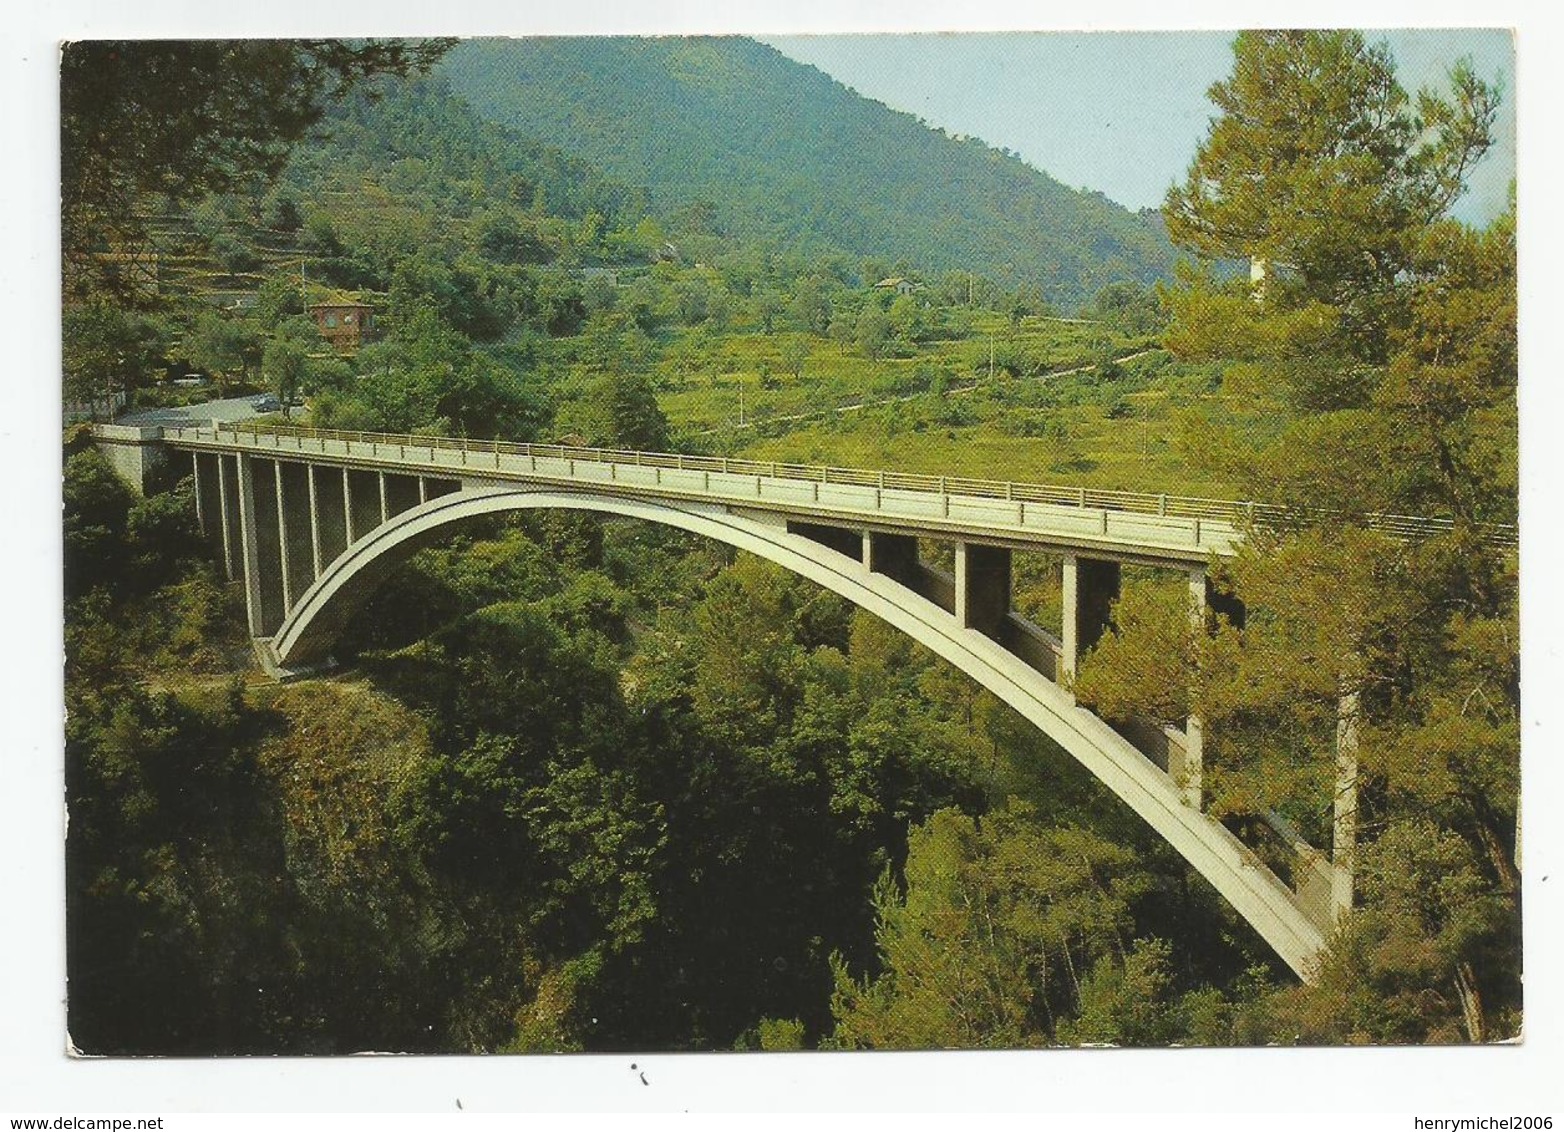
266	404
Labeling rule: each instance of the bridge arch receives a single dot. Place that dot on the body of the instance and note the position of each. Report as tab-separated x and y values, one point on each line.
311	627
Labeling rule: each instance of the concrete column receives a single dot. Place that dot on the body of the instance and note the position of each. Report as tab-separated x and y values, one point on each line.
1090	587
385	503
294	519
982	586
209	498
282	538
1344	810
312	491
330	513
423	490
367	499
250	546
1191	774
347	507
228	506
195	470
895	556
267	530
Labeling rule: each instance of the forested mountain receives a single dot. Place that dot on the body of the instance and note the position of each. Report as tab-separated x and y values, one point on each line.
775	150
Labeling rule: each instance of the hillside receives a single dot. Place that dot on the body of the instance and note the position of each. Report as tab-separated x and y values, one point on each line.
783	153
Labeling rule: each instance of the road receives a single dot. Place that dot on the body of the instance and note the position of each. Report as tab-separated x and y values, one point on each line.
227	410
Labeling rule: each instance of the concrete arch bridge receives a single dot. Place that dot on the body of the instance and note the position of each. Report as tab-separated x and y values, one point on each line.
310	521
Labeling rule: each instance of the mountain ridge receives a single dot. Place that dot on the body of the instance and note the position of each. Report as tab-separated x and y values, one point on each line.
786	154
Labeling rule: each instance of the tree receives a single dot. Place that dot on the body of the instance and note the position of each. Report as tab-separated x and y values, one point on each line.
282	366
1129	308
1376	363
504	238
223	346
1323	166
811	305
873	329
989	947
795	352
278	297
616	410
107	349
182	119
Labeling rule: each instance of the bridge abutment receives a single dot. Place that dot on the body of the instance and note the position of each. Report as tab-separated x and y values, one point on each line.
136	453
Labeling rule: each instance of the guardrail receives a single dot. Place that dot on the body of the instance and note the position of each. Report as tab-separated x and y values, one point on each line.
1133	502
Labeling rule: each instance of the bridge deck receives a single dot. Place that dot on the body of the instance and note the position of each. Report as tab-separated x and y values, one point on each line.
1130	525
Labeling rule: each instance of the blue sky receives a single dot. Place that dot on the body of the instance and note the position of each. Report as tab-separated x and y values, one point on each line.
1118	112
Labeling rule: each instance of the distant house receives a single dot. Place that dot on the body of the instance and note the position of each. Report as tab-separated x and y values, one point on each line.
345	322
898	284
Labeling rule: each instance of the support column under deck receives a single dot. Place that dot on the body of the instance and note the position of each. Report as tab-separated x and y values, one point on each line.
228	507
295	550
208	495
195	470
982	586
1090	587
268	544
895	556
314	500
363	496
1190	775
1344	809
331	512
250	546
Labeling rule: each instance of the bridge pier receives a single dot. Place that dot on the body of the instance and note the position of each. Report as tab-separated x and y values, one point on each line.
1090	587
136	453
895	556
1190	771
200	501
331	512
228	491
982	587
211	504
361	493
250	550
1344	806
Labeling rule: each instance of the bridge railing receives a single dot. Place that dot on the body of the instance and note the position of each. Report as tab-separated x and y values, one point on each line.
1137	502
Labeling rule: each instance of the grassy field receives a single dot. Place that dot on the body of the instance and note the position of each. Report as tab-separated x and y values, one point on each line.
1049	411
